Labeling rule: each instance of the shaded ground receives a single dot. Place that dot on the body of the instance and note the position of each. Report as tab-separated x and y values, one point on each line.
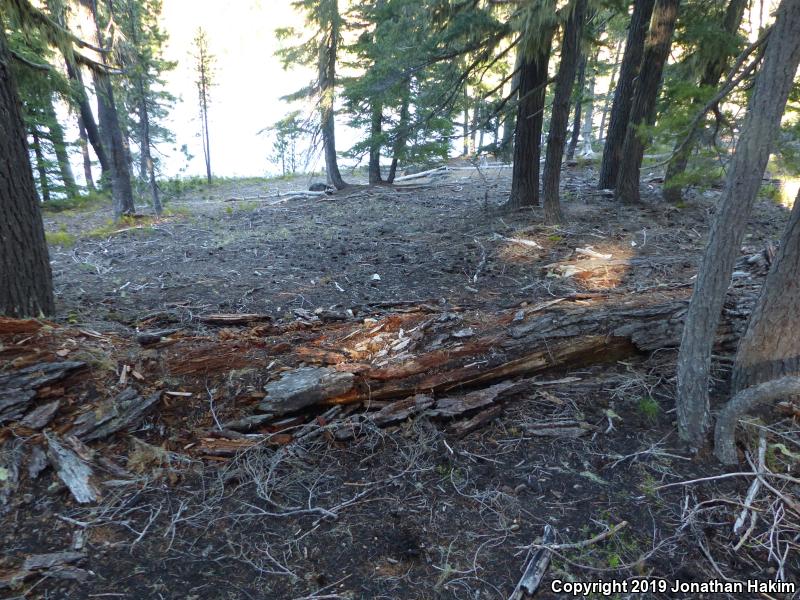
411	511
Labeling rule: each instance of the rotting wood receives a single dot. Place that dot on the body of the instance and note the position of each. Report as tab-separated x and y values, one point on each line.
18	388
535	568
72	470
124	411
41	415
10	461
305	387
233	319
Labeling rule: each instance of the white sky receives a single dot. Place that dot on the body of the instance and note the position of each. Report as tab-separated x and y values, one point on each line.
250	81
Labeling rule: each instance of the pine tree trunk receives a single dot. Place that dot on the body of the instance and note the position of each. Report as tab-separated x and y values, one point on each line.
623	93
327	84
556	138
643	109
402	134
712	73
576	121
87	161
147	170
587	132
771	347
528	135
611	86
121	189
57	137
376	129
26	286
465	124
509	124
759	132
41	166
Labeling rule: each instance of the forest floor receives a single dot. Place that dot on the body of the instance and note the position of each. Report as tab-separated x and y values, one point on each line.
412	510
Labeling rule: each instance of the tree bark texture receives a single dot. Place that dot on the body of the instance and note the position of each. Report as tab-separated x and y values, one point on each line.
623	93
26	286
556	138
759	131
528	135
643	108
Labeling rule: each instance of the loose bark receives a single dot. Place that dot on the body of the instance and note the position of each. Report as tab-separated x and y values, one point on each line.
760	129
556	138
26	286
711	75
643	108
124	411
72	470
528	135
623	93
771	347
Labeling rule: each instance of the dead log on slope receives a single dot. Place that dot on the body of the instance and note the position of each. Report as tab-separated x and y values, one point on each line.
555	340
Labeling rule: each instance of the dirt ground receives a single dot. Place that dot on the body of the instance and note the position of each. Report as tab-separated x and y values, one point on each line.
409	511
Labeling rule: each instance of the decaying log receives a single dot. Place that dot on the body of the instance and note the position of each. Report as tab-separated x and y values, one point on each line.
513	345
41	415
233	319
147	338
305	387
72	470
18	388
124	411
54	559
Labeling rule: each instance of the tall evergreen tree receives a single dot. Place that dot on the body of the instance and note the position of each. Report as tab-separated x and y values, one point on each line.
204	73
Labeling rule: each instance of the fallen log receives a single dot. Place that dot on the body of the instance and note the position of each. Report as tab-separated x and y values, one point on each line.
563	337
18	388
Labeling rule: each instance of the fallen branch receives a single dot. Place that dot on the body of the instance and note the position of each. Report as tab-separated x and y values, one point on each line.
743	402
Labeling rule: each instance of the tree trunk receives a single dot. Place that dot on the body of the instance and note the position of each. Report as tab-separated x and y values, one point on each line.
565	80
465	124
528	135
41	165
673	192
327	84
402	134
771	347
576	121
26	286
643	109
623	93
759	132
588	115
146	158
376	129
57	137
611	86
509	124
121	189
87	161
